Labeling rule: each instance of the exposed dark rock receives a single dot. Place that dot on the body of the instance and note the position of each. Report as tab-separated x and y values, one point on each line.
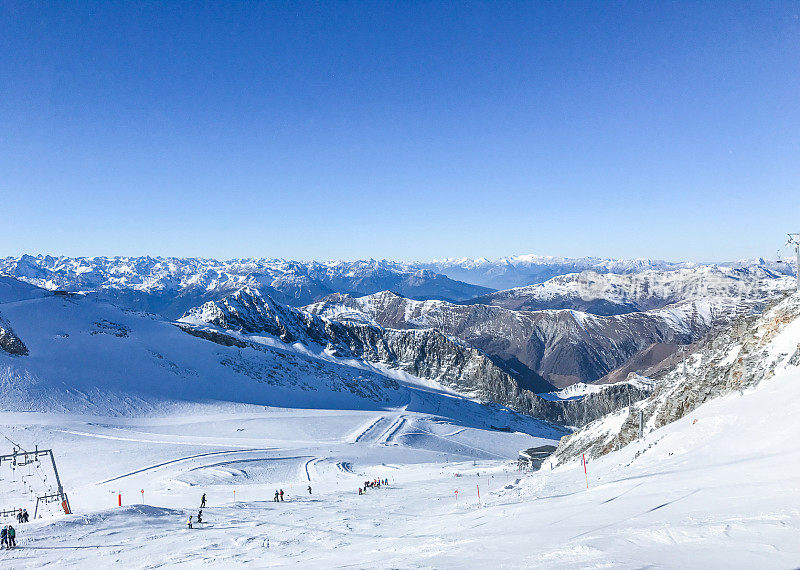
9	341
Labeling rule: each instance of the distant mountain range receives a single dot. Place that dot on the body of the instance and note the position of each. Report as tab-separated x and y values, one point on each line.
171	286
522	270
614	293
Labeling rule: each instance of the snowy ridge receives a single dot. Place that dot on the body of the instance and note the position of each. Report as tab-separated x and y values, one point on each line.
611	293
522	270
581	389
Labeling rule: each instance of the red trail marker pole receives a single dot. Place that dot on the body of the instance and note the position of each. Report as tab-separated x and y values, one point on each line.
479	494
119	499
583	457
142	491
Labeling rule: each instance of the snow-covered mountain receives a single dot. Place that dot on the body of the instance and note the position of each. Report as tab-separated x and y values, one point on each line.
737	359
170	286
616	293
522	270
563	346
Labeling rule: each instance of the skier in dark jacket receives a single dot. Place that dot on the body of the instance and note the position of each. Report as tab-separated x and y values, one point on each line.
309	489
281	494
200	516
12	537
4	537
203	501
24	515
276	496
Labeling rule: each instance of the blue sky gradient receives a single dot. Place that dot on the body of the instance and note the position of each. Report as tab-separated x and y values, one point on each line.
399	130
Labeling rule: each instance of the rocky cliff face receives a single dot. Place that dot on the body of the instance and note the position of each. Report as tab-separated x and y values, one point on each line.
426	353
735	359
562	346
10	342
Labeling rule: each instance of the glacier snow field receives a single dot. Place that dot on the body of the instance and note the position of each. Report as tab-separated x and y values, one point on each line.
716	489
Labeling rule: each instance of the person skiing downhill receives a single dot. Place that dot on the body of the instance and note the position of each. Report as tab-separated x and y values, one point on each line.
276	496
190	521
203	501
281	494
309	489
200	516
12	537
4	537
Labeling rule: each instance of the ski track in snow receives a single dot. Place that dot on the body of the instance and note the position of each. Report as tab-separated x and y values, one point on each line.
179	460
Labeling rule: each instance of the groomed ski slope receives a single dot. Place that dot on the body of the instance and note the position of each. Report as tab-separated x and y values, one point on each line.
717	489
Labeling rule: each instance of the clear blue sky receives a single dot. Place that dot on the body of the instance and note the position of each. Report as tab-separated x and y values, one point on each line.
400	130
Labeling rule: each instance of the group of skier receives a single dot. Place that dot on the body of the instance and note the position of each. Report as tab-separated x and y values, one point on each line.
374	484
8	537
199	518
279	496
22	516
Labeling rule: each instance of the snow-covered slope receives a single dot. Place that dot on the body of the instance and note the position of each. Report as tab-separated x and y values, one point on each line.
171	286
611	293
714	489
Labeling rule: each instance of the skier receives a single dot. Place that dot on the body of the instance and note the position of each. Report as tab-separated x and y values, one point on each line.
203	501
19	516
190	521
12	537
309	489
276	496
281	493
24	515
200	516
4	537
359	491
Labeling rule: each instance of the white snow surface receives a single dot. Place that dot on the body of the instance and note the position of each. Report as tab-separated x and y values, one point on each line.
717	489
130	403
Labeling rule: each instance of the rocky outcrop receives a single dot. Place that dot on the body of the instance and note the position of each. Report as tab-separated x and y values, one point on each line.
564	346
9	341
735	359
